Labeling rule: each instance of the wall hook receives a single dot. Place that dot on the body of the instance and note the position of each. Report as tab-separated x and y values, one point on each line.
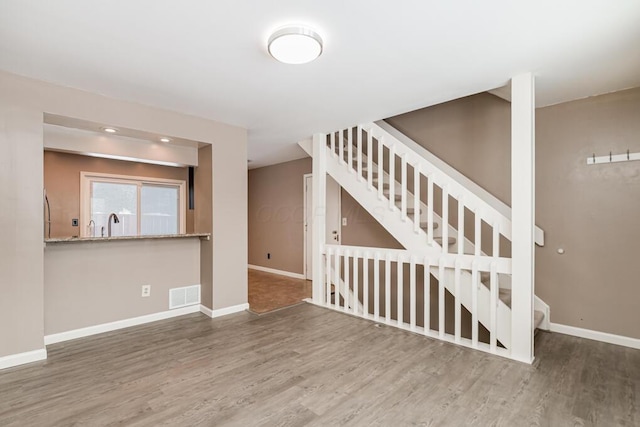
593	160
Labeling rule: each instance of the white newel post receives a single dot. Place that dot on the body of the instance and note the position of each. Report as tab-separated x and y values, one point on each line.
522	215
318	219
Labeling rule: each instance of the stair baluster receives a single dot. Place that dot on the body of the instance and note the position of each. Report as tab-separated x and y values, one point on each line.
473	279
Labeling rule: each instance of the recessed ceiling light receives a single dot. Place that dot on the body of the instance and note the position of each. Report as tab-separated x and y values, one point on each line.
295	45
165	139
110	130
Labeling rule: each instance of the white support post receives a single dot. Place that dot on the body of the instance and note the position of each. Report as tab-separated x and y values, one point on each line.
318	219
522	215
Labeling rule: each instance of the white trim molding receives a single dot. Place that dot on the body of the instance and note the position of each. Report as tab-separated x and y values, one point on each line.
306	233
224	311
22	358
87	179
596	335
274	271
118	324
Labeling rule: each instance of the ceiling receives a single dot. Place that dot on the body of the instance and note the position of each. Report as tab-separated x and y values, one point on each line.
209	59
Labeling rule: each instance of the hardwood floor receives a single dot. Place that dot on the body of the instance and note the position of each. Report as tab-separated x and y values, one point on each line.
306	365
268	292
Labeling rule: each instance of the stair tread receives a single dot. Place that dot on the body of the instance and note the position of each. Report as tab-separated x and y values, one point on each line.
425	225
505	296
538	317
451	240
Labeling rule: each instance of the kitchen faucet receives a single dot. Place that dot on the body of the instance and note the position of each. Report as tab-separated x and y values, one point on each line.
115	221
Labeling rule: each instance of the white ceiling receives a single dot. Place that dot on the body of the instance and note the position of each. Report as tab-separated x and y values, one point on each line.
381	58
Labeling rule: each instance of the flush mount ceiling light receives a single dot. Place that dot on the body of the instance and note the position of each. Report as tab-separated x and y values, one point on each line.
295	45
165	139
109	130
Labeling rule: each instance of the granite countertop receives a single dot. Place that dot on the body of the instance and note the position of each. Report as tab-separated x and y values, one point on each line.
204	236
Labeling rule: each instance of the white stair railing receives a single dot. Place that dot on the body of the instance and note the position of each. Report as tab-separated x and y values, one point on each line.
388	174
386	152
368	273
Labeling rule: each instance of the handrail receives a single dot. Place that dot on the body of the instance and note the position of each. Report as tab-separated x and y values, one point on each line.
486	197
458	274
450	187
448	260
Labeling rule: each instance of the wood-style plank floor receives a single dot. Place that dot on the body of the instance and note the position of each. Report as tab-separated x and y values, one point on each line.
306	365
268	292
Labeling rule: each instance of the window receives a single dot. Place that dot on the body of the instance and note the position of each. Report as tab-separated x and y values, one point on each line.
144	206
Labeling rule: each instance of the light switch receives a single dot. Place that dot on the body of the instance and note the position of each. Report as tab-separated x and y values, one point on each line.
344	222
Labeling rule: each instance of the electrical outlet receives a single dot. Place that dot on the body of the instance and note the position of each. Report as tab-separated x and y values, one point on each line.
146	290
74	222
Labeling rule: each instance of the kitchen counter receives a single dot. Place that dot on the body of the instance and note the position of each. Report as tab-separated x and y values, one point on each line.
204	236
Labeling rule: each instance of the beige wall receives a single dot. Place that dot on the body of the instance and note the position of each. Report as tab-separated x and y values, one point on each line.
230	218
23	104
92	283
21	225
203	215
62	181
276	200
65	137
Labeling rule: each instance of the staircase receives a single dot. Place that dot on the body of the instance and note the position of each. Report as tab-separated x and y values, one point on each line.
450	228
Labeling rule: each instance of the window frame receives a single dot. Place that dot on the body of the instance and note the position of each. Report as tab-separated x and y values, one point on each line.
87	178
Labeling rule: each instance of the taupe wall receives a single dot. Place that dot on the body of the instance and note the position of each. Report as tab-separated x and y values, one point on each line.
276	215
472	134
362	229
23	103
92	283
590	211
62	181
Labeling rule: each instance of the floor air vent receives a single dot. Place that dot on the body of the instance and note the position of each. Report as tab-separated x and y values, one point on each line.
182	297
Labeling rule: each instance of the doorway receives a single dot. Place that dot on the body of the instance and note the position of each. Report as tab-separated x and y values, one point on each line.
333	219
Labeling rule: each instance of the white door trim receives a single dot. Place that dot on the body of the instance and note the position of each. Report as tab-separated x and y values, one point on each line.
305	225
307	232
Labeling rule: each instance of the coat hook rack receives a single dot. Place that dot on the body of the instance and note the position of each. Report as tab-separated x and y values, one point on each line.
612	158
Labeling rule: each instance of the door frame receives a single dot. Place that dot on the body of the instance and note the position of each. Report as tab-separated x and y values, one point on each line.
305	227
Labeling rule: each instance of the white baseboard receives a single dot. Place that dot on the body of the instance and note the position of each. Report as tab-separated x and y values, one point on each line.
274	271
224	311
22	358
119	324
596	335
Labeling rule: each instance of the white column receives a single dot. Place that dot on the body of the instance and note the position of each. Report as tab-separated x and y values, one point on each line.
522	215
318	219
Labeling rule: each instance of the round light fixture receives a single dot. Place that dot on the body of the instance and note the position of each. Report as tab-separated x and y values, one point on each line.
295	45
165	139
110	130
